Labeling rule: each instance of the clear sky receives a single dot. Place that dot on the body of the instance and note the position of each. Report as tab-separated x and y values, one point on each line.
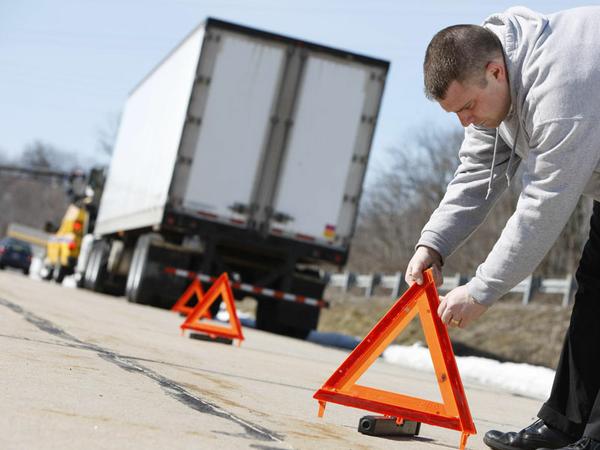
67	66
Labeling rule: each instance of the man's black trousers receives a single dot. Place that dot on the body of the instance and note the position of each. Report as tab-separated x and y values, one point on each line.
574	403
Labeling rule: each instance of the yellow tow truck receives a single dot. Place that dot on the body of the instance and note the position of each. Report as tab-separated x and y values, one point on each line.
63	247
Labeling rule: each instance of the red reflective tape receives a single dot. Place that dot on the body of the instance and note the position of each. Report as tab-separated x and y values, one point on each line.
238	221
207	214
305	237
280	295
277	230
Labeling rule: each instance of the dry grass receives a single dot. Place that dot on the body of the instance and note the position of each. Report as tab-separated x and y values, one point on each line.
508	331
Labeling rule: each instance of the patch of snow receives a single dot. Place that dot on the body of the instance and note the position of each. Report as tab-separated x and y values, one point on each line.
522	379
223	315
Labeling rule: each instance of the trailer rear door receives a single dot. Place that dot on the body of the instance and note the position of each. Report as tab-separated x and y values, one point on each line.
243	87
327	132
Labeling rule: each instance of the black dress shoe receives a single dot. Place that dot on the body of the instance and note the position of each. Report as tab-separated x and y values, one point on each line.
533	437
585	443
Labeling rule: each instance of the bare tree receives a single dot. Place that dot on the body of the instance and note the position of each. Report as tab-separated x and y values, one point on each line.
34	199
107	134
41	155
29	201
398	204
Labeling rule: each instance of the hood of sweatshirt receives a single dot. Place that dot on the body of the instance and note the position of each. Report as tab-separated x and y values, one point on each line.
518	48
509	27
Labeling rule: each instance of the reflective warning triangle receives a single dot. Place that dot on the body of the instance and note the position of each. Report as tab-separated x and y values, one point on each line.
194	289
453	413
220	288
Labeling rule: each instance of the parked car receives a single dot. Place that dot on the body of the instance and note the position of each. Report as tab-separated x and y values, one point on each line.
15	253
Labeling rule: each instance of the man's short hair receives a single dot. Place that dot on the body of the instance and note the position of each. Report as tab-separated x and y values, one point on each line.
459	52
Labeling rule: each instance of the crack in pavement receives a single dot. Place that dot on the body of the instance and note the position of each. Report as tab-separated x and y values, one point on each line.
169	387
170	364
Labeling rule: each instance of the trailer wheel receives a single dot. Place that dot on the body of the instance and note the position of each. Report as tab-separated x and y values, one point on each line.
139	281
95	271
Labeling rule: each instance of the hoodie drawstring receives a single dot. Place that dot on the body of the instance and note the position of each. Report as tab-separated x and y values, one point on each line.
489	189
510	159
512	155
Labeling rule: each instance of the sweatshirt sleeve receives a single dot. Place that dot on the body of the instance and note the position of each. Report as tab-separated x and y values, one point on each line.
562	157
464	206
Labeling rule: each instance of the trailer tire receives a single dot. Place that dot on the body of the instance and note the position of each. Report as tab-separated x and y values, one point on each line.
95	271
137	288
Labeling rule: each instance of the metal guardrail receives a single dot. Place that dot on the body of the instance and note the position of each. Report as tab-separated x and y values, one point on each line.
395	283
40	172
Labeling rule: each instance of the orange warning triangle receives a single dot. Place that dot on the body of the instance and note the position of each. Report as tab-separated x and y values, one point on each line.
221	288
181	305
453	413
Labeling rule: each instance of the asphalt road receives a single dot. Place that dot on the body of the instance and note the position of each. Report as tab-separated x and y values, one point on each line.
83	370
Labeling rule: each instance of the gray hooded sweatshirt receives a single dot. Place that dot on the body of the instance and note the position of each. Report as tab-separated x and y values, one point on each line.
552	130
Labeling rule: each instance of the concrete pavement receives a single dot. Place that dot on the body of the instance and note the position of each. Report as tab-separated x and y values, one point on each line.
83	370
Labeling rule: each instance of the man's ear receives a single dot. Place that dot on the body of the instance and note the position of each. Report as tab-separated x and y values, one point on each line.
496	69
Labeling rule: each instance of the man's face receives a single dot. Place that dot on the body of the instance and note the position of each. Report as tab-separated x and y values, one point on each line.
486	106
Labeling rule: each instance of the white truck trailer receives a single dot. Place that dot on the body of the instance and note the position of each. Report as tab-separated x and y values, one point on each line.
242	151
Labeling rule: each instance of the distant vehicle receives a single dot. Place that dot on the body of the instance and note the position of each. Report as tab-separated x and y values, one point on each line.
244	152
15	253
64	247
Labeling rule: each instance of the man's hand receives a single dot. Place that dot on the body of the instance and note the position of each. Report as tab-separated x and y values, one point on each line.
459	309
424	258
